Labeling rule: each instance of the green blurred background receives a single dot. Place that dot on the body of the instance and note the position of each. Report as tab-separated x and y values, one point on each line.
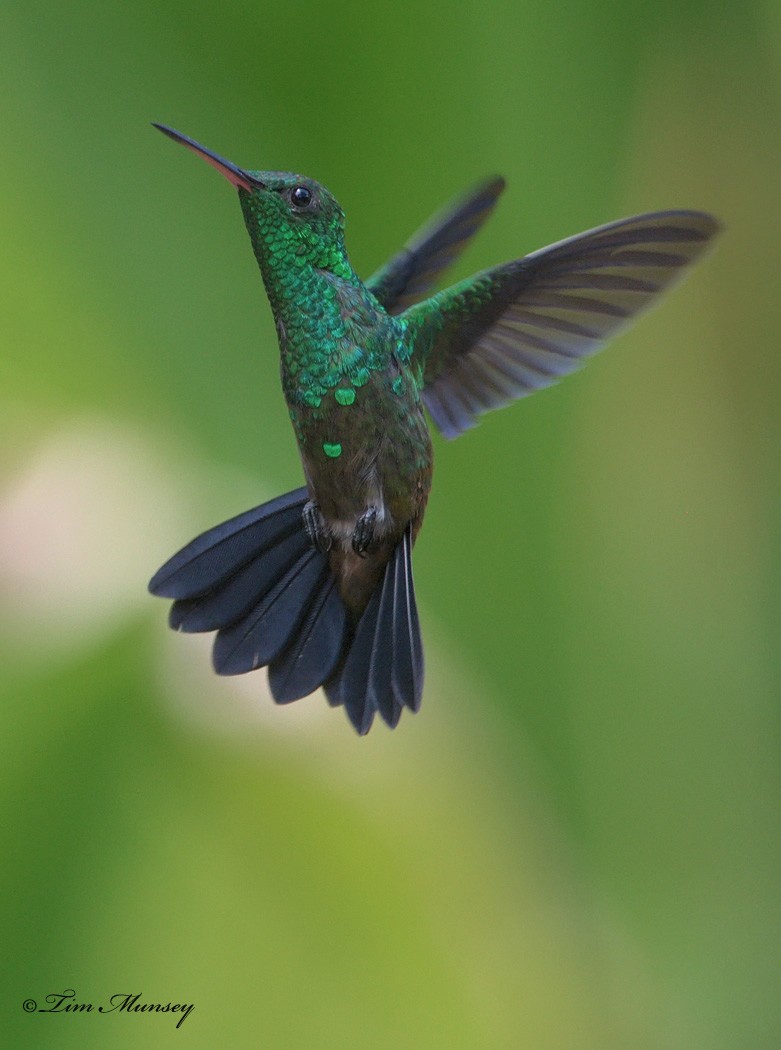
575	843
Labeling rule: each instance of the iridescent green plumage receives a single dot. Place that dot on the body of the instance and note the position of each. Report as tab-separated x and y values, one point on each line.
318	584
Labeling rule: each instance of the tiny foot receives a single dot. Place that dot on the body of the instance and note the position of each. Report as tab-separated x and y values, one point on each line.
315	526
363	533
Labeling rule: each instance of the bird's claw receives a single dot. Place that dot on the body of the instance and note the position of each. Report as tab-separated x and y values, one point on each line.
363	533
315	526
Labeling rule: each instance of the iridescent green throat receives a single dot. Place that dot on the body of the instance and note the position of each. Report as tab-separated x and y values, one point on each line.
333	334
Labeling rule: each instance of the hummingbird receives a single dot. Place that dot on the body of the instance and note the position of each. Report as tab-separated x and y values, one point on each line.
317	584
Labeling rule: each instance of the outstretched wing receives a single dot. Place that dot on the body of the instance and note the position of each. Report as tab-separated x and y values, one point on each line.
516	328
413	271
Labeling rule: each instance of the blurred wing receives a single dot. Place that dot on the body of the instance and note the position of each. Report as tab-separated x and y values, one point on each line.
411	273
516	328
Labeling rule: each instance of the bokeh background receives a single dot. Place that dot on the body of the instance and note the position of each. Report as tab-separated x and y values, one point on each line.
575	843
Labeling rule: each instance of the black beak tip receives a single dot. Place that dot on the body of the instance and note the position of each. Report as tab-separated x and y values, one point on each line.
167	131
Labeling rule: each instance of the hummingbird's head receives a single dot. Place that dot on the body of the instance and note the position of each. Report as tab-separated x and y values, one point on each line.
292	220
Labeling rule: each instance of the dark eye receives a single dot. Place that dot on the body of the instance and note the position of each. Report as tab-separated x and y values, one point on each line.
301	196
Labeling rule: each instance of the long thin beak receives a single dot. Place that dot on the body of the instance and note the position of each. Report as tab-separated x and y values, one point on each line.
240	178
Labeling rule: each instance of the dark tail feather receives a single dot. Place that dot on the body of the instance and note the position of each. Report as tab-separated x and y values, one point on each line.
383	670
264	632
311	657
270	596
229	600
215	555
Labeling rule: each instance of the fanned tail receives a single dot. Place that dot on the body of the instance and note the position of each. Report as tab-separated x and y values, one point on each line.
270	596
383	669
272	599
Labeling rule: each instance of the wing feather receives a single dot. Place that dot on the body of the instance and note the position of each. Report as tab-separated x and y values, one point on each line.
517	328
412	273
